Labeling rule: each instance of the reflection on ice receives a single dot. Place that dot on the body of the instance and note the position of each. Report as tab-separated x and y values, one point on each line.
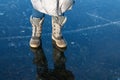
59	72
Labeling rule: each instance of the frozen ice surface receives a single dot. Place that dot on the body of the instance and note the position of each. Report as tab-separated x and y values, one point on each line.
92	33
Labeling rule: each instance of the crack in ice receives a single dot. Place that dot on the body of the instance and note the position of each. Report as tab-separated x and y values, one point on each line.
71	31
93	27
99	17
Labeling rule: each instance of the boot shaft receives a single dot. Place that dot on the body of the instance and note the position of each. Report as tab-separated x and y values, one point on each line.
36	26
57	24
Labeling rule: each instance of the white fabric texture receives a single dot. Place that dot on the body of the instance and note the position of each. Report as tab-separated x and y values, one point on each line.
52	7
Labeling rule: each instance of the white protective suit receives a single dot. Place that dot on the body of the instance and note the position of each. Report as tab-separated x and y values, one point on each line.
52	7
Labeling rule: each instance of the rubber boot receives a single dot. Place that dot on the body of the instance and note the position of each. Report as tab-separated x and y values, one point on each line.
36	31
57	24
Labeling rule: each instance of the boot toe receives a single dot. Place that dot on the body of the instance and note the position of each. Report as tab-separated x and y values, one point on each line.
34	43
61	43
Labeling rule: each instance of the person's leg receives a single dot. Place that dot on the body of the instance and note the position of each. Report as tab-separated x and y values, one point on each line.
57	24
36	20
37	14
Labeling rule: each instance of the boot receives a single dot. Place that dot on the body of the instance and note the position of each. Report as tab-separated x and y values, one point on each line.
36	31
57	24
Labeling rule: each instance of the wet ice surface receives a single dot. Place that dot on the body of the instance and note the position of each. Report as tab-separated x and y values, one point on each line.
92	33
